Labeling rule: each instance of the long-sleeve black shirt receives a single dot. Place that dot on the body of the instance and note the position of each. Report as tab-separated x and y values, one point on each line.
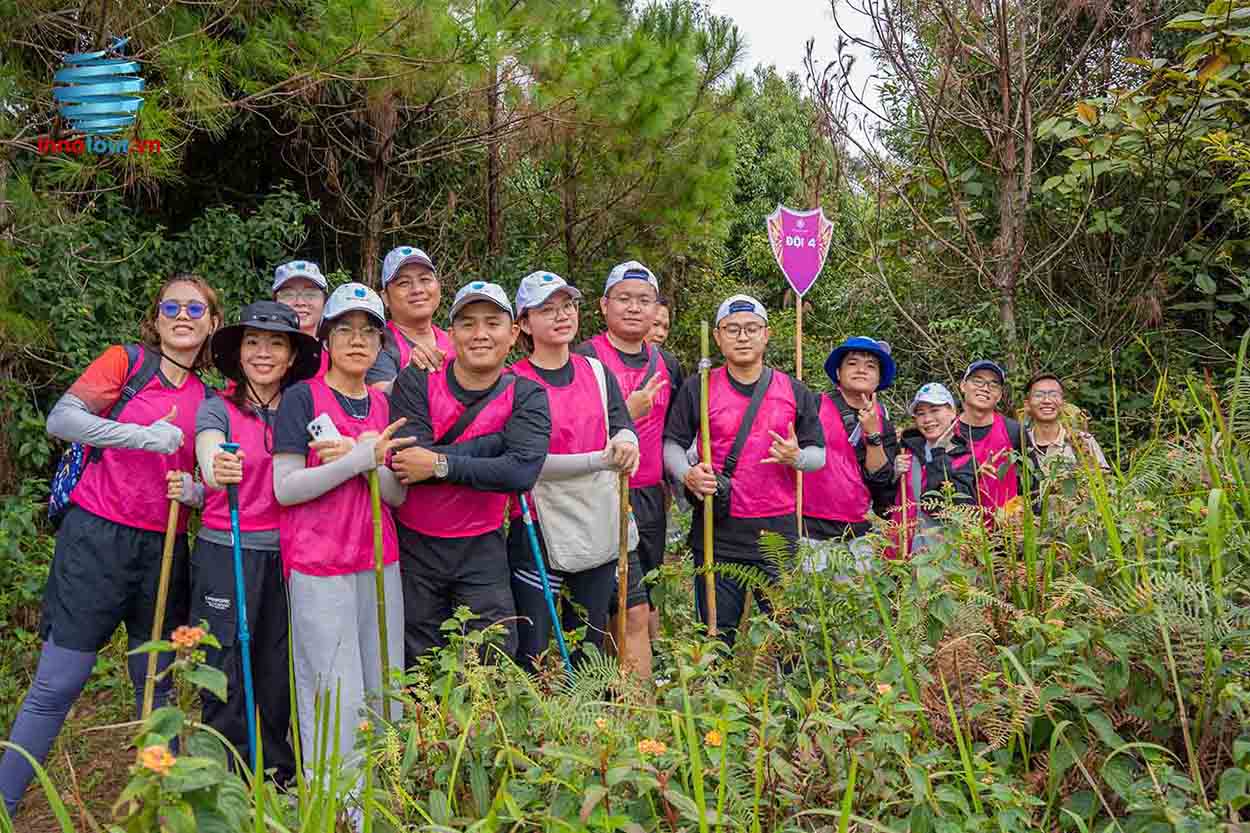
525	436
739	538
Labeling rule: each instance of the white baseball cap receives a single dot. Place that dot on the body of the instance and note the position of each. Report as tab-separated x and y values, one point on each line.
398	257
299	269
933	393
480	291
537	287
348	298
741	303
630	270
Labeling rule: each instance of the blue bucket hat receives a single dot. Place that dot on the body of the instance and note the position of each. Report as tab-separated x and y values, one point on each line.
863	344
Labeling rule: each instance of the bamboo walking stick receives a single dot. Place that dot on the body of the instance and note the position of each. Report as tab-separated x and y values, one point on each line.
622	570
905	534
379	583
162	598
705	433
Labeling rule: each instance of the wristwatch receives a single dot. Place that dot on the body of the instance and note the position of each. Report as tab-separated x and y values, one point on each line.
440	467
873	439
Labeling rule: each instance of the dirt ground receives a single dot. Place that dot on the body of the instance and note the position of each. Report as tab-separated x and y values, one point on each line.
89	764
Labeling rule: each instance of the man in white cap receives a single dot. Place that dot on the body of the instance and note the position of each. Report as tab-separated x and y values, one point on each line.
300	285
764	425
649	376
481	437
412	292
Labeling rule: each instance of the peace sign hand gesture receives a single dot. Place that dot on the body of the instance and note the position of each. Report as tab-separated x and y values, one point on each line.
384	444
869	417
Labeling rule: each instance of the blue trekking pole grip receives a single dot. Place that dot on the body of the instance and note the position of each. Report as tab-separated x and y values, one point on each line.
542	575
240	594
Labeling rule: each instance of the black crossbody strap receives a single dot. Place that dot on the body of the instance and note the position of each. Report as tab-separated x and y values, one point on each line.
470	413
651	365
753	407
150	365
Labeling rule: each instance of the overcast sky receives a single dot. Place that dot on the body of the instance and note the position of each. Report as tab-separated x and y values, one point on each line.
776	32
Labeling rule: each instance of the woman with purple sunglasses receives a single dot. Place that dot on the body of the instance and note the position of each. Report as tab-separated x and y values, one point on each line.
133	407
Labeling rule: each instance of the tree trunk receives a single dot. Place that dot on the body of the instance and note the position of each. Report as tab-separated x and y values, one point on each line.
568	192
381	117
494	222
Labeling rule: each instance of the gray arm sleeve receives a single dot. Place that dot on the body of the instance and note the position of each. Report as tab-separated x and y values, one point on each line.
811	458
206	445
676	463
564	466
294	483
71	420
393	492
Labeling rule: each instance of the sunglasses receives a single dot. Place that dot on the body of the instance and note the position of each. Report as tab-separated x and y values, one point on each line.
195	309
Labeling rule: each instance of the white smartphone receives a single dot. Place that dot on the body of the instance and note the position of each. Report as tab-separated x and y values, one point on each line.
322	428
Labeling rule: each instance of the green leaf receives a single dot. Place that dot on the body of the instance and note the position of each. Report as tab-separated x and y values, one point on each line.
440	809
190	773
177	817
593	795
162	725
1051	183
207	677
1234	784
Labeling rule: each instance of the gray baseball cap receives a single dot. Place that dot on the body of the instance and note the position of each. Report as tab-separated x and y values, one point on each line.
299	269
630	270
537	287
933	393
400	256
480	291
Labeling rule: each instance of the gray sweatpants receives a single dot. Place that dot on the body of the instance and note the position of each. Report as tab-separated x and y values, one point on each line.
334	645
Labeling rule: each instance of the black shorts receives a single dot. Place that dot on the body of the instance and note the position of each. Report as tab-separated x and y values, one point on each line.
104	574
652	520
521	557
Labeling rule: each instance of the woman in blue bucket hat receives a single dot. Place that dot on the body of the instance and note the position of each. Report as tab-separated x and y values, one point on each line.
860	443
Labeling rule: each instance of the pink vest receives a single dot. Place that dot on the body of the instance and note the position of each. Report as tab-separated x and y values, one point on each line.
127	485
333	535
577	425
760	490
837	492
994	492
650	428
448	510
441	340
325	364
258	508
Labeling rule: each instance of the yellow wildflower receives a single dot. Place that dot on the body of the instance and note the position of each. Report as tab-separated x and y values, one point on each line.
713	738
158	759
186	637
647	746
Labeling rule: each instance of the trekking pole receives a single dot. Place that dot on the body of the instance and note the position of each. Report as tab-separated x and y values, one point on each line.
379	589
542	576
240	593
705	433
622	568
162	597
